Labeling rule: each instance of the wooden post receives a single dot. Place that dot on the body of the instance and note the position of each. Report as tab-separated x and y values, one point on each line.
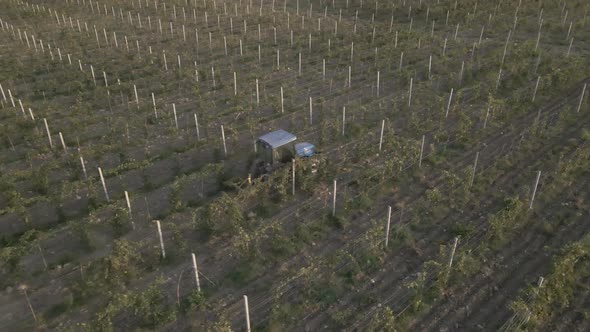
161	239
387	227
381	138
104	185
247	310
334	201
421	150
581	98
449	103
453	252
48	133
535	189
223	138
474	169
196	270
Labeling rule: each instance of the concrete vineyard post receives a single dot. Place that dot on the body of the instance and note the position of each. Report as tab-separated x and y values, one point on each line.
387	226
381	136
410	92
310	111
421	150
11	98
29	304
223	139
334	201
154	104
163	250
506	47
324	69
581	98
430	67
293	171
343	119
481	35
42	257
48	132
569	49
378	83
93	77
128	202
282	101
449	103
536	87
175	117
213	76
247	311
196	271
453	252
197	126
3	94
474	169
136	97
63	143
257	93
485	121
349	76
104	185
235	85
83	167
535	189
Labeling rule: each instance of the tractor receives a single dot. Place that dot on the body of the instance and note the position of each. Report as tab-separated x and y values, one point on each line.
277	148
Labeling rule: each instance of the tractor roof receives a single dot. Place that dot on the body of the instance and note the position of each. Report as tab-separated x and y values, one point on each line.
277	138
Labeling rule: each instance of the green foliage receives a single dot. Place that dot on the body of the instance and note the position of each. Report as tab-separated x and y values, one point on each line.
195	300
151	307
120	222
121	266
223	216
383	320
